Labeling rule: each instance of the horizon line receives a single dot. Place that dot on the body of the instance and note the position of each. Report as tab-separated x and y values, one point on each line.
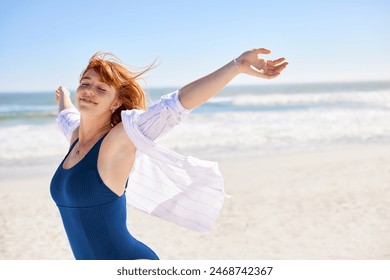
229	85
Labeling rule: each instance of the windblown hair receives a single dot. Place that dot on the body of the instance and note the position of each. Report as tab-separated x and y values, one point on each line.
114	73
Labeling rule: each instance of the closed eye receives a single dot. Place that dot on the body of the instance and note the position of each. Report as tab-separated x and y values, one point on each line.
102	89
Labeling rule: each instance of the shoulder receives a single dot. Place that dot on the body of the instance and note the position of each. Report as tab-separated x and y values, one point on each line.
118	140
116	148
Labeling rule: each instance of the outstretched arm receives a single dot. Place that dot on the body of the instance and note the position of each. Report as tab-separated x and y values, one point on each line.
199	91
68	117
63	99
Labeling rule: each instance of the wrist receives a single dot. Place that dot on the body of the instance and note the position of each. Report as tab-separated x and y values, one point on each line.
64	98
237	65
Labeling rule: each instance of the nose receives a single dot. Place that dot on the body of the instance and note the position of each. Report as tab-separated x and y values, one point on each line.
88	91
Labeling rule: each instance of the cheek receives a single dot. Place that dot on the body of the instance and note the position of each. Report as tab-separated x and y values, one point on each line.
78	90
111	96
77	95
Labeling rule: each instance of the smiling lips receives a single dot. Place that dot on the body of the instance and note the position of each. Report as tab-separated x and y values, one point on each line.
87	100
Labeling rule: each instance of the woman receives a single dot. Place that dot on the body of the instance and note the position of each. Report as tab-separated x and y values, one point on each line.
111	136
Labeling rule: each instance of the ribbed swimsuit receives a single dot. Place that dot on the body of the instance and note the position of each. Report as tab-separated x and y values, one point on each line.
94	216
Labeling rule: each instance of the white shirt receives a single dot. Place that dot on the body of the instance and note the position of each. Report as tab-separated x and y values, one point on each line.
181	189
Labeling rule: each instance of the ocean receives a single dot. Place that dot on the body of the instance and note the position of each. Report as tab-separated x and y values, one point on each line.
240	119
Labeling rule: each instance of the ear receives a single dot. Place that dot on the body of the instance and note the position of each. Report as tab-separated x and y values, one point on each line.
116	104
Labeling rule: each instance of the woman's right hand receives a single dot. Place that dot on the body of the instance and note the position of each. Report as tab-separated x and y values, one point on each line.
61	91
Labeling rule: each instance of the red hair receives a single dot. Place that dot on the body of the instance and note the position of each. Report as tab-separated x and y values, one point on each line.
112	72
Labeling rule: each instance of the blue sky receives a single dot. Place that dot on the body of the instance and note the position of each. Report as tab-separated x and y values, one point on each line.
48	43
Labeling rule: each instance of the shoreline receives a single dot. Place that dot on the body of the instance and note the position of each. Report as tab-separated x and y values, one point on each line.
315	204
45	166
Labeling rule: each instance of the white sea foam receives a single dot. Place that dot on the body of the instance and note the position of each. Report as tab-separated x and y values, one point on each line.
377	98
235	131
236	121
31	141
227	131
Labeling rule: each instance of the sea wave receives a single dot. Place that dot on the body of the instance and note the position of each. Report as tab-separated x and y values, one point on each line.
226	132
377	99
253	119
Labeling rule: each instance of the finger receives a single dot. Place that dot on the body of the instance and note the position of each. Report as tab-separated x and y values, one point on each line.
281	67
272	76
262	51
268	75
276	61
275	70
256	72
265	75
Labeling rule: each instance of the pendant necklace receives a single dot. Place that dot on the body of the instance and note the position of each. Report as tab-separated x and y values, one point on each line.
78	151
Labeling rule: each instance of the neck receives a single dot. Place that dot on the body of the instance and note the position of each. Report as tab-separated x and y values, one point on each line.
92	128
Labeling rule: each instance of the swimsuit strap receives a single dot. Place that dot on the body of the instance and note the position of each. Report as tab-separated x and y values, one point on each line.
74	143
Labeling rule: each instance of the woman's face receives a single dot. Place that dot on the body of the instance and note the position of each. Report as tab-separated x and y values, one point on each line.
95	96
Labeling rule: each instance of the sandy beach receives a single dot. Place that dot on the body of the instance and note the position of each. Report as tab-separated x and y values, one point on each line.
319	204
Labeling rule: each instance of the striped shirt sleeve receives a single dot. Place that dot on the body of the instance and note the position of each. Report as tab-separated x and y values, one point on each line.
68	120
161	117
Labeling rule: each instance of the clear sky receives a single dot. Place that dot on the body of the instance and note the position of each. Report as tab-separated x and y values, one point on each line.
44	44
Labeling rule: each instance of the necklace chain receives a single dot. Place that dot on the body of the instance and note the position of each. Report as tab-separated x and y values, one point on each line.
77	148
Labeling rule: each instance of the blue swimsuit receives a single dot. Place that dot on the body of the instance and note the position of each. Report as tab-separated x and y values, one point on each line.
94	216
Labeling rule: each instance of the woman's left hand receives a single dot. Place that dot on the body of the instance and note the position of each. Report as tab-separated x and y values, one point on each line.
252	63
